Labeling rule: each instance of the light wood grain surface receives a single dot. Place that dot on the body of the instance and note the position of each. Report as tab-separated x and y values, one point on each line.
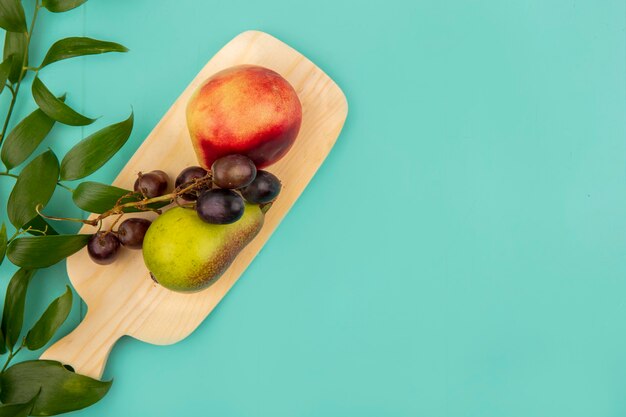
121	298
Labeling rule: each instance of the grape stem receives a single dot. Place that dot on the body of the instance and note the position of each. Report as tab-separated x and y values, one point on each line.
197	184
141	205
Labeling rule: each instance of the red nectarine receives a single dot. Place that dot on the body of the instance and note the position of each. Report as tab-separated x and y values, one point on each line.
248	110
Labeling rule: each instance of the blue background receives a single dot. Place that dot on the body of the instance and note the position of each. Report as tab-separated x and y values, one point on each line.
461	251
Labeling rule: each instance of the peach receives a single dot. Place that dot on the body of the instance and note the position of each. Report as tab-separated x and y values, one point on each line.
248	110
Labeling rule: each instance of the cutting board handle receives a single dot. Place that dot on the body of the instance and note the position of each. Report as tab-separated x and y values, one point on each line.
88	346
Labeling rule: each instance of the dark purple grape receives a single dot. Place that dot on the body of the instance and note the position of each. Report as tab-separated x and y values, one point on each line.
161	174
152	184
132	231
263	189
186	177
220	206
103	247
233	171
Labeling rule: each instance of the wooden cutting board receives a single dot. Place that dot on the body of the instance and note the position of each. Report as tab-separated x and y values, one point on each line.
121	298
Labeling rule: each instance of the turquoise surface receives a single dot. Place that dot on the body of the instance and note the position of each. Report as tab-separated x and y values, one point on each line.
461	251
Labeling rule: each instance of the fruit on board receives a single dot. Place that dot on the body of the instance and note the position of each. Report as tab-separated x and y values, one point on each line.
132	231
233	171
248	110
152	184
103	247
187	176
184	253
219	206
263	189
242	196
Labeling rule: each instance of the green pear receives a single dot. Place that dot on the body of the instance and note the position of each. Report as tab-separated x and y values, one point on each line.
184	253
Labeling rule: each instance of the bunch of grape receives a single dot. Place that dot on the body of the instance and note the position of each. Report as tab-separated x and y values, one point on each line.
224	205
220	201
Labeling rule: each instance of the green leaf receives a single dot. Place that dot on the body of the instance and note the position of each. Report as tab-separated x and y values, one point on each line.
61	390
73	47
94	151
12	16
44	251
50	321
25	137
55	107
3	242
58	6
35	185
13	313
96	197
5	70
18	409
15	45
39	224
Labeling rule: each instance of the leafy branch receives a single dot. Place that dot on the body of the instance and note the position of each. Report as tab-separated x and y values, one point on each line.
45	387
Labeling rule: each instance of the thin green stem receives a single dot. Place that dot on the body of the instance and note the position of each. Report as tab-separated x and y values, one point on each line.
19	233
29	229
15	92
16	234
9	113
6	364
60	184
18	349
12	355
